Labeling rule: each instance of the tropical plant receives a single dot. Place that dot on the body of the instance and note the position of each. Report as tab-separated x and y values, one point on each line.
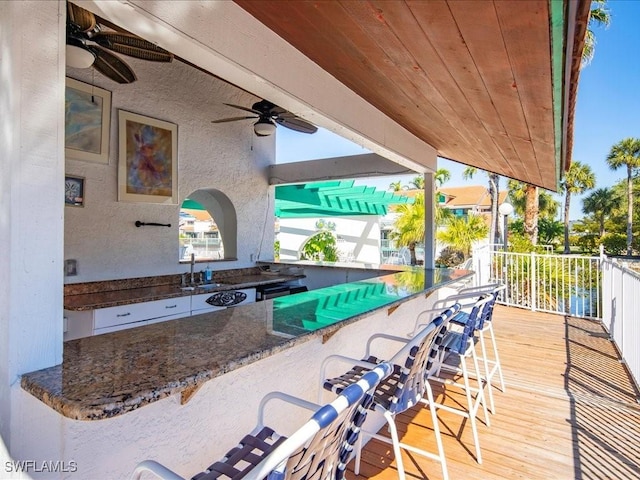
322	246
463	232
599	15
614	243
626	153
600	203
494	194
577	180
442	176
417	182
409	226
450	257
395	186
276	250
549	231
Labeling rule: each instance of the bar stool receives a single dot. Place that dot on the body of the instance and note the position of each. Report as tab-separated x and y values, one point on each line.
461	346
404	388
320	448
492	365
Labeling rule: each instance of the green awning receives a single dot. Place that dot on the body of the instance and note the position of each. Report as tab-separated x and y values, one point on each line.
333	199
192	205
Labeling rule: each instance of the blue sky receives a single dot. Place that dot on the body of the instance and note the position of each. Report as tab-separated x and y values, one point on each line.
607	110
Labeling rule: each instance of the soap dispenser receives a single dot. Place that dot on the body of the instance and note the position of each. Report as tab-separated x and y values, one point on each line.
207	275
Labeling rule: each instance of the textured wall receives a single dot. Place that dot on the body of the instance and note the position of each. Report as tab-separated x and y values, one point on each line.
227	157
31	189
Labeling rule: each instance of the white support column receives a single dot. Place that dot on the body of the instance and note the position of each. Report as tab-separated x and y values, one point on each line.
31	207
429	221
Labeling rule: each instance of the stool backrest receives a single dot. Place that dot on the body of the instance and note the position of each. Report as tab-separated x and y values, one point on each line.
415	360
321	447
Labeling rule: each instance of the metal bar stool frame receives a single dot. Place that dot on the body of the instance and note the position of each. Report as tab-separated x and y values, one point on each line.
404	388
331	432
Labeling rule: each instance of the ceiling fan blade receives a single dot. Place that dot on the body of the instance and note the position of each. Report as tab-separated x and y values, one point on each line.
257	112
133	46
83	19
296	123
111	66
233	119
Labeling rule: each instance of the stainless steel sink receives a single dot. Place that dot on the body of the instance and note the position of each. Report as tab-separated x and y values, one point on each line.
208	286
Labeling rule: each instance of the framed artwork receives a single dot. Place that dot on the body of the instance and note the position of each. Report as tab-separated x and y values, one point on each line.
87	122
148	159
74	191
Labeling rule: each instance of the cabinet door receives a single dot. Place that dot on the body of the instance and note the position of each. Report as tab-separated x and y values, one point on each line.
199	304
136	312
251	296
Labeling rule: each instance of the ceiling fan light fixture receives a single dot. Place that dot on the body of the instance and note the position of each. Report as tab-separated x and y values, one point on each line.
78	57
264	127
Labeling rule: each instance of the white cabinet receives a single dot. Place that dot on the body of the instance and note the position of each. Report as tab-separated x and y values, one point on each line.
199	303
111	319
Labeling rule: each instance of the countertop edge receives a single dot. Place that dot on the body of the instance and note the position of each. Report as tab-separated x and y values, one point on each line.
73	409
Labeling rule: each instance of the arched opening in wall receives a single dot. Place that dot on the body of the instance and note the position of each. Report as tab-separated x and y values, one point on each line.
207	227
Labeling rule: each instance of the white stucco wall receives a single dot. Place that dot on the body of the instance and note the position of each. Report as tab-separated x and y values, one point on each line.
228	157
31	187
358	235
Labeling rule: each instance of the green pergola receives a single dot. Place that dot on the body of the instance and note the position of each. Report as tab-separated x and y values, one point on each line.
333	199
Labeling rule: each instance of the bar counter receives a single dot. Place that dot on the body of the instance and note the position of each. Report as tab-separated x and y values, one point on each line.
108	375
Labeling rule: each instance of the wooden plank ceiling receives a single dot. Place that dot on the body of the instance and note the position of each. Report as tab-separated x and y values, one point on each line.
471	78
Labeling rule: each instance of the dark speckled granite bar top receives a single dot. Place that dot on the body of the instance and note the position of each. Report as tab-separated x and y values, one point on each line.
111	374
112	293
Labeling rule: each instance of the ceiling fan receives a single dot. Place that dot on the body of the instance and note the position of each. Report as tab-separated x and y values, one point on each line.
90	43
267	113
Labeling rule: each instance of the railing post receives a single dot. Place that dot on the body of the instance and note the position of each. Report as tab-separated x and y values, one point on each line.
534	280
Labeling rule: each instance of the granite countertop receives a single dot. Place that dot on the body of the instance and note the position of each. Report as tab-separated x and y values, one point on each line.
125	292
111	374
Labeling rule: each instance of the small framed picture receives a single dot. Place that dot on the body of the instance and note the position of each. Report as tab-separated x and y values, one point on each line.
87	122
74	191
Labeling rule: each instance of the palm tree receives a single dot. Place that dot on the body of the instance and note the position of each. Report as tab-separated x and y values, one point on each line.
600	204
442	176
526	203
463	232
417	182
600	16
409	226
395	186
626	153
578	179
494	194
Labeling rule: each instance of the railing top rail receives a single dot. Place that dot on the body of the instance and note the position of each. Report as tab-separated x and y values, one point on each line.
616	264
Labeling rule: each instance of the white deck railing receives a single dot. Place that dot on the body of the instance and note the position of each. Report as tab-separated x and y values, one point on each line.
563	284
621	311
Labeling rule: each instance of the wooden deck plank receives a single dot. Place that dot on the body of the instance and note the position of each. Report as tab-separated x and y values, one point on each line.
569	410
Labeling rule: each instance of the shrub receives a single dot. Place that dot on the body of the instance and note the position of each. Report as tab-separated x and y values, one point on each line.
320	247
450	257
588	242
614	243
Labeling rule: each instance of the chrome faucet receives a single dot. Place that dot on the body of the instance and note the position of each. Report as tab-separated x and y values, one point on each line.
193	263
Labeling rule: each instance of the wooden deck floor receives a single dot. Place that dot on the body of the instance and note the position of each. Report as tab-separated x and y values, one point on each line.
569	410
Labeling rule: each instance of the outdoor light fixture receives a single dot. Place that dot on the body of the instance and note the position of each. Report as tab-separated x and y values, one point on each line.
264	127
505	210
78	57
